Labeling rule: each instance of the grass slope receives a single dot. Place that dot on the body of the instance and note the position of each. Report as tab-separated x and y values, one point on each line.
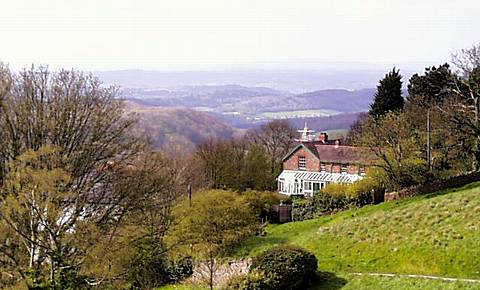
437	234
352	282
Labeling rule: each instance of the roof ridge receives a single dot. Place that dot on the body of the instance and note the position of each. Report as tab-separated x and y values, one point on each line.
349	146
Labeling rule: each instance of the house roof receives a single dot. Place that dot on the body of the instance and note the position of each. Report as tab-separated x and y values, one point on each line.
335	153
320	176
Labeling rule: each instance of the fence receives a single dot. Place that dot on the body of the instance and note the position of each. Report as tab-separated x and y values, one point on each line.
281	213
434	186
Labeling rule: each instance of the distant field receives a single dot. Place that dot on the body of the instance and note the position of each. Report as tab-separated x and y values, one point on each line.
298	114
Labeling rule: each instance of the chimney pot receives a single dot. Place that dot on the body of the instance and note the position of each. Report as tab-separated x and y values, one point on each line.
323	137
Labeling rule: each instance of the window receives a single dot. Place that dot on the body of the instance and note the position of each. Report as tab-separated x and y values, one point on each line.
307	185
344	169
302	164
362	169
323	167
297	187
280	186
316	187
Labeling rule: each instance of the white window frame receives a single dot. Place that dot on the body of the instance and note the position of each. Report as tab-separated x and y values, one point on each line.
302	163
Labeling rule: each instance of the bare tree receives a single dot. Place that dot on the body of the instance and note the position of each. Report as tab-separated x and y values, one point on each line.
277	138
86	124
463	106
467	59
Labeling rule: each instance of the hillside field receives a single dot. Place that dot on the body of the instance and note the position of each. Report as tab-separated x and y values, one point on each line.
436	234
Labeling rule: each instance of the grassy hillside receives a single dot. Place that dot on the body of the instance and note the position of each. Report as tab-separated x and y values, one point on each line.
438	234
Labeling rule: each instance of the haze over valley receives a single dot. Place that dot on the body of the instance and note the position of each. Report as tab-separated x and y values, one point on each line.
189	107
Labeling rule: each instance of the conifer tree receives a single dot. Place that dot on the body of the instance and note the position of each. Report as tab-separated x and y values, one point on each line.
433	87
389	95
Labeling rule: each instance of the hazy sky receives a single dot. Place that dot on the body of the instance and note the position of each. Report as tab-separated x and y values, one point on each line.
206	34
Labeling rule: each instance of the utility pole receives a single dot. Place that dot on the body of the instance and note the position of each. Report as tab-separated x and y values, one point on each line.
429	150
189	192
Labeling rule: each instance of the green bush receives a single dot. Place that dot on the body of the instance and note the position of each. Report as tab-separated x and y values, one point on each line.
65	279
283	267
251	281
260	202
179	269
337	197
149	267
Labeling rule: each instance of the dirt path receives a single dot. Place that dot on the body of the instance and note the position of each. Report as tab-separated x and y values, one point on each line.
419	276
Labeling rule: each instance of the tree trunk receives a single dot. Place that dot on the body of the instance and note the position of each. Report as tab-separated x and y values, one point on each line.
212	264
33	248
52	271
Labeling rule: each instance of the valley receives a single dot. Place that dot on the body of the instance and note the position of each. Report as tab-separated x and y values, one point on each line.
189	115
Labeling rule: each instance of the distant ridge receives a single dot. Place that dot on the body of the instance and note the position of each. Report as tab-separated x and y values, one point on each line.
295	81
250	101
342	100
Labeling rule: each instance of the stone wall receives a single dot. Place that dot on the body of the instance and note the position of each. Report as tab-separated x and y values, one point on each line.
434	186
222	272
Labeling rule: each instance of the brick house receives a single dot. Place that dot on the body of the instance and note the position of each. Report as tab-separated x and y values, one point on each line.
313	164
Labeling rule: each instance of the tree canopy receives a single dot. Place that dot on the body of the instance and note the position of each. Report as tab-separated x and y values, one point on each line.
388	97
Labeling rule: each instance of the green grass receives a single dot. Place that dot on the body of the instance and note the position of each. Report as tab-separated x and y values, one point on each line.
352	282
183	287
437	234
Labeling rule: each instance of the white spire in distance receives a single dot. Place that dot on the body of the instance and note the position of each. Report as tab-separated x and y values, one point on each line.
306	135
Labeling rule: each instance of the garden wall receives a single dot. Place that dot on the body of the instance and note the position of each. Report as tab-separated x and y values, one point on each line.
434	186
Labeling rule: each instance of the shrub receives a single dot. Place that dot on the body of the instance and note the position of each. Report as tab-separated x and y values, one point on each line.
148	266
284	267
336	197
179	270
260	202
250	281
65	279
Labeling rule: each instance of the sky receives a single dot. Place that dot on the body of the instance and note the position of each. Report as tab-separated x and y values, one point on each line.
241	34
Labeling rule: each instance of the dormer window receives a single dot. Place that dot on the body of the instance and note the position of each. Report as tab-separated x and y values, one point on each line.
344	169
302	164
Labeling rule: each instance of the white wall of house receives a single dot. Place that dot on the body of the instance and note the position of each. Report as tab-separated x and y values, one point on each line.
292	182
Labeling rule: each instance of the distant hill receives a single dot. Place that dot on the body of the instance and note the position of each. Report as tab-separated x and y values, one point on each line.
295	81
340	121
253	101
188	115
341	100
179	127
216	98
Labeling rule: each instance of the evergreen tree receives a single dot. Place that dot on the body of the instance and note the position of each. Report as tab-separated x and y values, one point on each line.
431	88
389	95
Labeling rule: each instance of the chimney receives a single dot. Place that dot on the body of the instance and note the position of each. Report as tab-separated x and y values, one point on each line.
323	137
